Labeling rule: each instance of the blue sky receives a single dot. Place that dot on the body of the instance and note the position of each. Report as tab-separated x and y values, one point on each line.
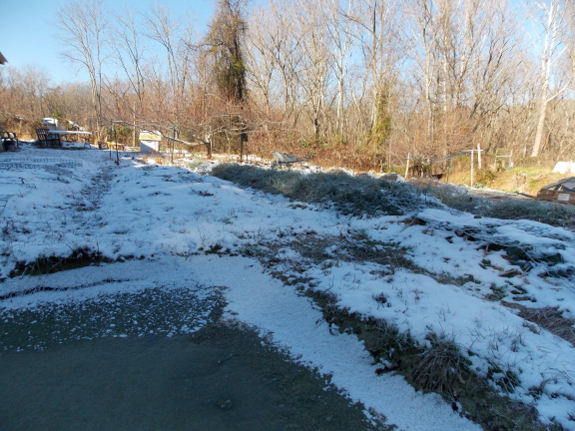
27	37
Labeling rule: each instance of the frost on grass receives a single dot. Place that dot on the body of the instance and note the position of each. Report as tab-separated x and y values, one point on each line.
350	195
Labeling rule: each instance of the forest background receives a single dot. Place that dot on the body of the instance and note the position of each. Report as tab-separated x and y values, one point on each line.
364	84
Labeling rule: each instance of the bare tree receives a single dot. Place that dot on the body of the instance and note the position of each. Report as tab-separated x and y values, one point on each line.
315	48
177	39
129	50
382	48
549	19
260	66
280	41
342	32
83	25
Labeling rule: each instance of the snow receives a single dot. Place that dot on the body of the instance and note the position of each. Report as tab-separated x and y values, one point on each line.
167	222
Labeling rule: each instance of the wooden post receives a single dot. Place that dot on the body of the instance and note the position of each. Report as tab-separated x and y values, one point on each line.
479	156
472	173
111	125
116	142
407	165
173	142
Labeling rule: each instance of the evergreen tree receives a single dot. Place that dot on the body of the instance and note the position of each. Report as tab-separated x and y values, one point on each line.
225	40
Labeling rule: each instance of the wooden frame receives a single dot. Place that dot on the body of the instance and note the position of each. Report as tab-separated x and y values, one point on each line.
48	139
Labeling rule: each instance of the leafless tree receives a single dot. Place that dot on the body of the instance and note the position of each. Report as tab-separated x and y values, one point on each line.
177	39
549	20
83	25
129	50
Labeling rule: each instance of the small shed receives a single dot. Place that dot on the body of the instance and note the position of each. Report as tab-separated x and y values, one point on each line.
562	191
150	141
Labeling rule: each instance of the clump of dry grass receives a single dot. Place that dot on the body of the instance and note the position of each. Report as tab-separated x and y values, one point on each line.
442	367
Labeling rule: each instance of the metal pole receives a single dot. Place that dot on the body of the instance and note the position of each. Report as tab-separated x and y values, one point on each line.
111	125
116	141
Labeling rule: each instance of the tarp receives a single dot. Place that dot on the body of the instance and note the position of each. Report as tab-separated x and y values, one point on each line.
286	158
564	167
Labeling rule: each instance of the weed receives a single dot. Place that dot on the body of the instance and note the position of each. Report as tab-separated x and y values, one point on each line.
507	380
510	209
485	177
498	293
381	299
214	249
440	367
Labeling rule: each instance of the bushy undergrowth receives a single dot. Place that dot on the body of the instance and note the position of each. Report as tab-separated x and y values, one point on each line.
374	197
350	195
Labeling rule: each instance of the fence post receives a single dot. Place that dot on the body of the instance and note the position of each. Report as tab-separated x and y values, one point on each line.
173	141
407	165
479	156
472	173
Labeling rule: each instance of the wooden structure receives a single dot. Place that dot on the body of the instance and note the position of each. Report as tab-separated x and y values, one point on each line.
47	138
562	192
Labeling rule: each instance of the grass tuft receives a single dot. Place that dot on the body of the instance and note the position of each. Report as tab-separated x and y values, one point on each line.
441	368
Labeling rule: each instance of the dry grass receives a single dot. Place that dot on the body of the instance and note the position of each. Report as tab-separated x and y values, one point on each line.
524	180
441	368
549	318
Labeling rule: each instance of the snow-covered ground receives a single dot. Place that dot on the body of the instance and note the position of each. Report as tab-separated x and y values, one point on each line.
176	227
